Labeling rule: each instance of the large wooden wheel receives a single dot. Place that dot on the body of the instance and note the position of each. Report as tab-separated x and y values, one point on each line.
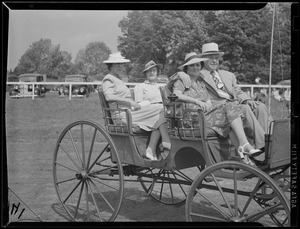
253	198
87	172
168	187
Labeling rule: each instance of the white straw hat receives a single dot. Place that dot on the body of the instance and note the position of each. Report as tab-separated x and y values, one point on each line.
116	58
191	58
210	48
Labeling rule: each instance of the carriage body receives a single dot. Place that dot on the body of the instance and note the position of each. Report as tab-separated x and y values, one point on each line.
198	160
193	145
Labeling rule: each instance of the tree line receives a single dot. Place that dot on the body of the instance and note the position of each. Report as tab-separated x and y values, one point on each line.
165	36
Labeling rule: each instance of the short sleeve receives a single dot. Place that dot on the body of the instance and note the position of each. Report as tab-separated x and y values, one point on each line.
178	86
108	87
138	93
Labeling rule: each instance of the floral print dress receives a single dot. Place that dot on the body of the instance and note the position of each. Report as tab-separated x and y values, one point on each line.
218	117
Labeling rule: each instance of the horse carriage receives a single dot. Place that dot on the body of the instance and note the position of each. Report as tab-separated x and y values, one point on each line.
92	162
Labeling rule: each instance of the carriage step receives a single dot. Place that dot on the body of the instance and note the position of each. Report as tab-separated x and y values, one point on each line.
132	170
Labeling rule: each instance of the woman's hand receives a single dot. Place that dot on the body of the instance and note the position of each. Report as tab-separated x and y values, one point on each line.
203	105
135	106
253	104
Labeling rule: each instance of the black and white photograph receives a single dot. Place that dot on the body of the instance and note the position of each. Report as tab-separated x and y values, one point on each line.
151	114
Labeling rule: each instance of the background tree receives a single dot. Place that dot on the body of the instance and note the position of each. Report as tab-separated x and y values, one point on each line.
162	36
165	36
44	58
89	61
244	36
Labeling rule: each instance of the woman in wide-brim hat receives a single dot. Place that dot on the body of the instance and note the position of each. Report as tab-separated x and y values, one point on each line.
221	115
148	118
119	62
191	58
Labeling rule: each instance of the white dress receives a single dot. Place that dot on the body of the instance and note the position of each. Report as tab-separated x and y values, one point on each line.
148	117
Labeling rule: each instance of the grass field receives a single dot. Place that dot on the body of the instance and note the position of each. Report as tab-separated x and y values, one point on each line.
32	129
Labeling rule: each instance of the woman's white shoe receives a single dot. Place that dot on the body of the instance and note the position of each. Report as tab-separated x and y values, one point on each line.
251	152
246	154
149	155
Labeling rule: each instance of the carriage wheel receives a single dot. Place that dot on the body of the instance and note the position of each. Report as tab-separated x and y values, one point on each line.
256	198
168	187
88	174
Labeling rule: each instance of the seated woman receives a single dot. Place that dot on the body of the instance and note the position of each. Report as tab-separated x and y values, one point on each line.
148	94
222	116
149	118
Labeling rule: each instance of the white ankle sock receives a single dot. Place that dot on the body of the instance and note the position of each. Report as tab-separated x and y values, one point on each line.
166	145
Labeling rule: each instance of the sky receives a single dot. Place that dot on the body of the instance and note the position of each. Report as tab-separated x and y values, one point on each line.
72	30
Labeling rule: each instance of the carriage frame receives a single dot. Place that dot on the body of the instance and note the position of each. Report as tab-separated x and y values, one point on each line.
80	170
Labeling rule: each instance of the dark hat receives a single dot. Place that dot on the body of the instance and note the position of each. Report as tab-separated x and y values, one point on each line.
151	64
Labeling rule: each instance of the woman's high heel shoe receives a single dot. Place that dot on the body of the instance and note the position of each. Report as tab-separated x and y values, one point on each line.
166	150
245	155
251	152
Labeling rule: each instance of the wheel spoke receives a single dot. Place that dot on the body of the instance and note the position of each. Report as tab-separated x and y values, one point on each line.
212	203
109	186
82	147
97	158
78	166
251	197
162	186
181	188
72	192
222	193
209	217
103	197
170	187
74	146
182	175
67	180
87	201
79	198
257	215
91	148
94	200
76	171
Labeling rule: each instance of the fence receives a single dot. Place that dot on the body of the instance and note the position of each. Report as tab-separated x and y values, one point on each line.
250	87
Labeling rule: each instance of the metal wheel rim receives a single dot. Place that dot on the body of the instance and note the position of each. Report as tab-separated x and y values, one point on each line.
234	209
86	174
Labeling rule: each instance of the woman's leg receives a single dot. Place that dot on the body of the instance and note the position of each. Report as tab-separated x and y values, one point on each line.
166	141
238	129
154	138
151	148
163	128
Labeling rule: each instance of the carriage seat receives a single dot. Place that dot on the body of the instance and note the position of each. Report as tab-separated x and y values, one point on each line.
113	124
195	130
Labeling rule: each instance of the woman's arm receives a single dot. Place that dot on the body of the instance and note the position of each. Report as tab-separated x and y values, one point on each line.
124	101
110	96
202	105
